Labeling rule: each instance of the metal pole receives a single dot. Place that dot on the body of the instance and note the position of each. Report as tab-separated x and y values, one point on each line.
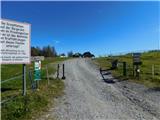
24	80
63	77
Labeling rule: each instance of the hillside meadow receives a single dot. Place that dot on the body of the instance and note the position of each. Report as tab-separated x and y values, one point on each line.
149	70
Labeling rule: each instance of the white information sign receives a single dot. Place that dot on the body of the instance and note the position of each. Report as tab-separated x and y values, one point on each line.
14	42
37	65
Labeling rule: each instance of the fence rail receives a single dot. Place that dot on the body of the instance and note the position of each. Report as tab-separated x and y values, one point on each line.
13	78
147	72
30	85
11	98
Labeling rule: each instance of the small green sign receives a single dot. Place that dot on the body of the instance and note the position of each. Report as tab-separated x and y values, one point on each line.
37	70
37	75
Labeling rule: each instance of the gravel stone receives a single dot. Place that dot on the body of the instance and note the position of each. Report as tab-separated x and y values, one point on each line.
88	97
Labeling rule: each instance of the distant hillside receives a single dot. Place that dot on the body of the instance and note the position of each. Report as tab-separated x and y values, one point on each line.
150	64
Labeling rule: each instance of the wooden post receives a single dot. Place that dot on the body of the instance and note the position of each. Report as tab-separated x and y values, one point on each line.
37	84
47	74
30	78
24	80
137	71
124	69
133	69
58	71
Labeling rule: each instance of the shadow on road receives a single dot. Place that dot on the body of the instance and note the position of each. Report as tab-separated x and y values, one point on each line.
157	89
109	81
105	73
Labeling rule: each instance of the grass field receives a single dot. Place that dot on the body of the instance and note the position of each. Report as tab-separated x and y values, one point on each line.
34	102
146	75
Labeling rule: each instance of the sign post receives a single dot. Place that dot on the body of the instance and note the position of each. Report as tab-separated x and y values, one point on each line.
15	42
15	45
136	62
24	80
37	70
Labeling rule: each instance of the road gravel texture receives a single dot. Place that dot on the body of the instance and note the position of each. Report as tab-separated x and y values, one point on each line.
88	97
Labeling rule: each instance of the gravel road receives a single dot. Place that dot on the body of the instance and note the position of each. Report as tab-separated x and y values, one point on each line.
89	97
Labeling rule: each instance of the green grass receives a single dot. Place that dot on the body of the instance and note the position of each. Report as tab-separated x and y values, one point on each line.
146	78
34	102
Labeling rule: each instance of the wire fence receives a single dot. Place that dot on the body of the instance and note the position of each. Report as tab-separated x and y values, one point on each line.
130	52
12	87
148	72
13	78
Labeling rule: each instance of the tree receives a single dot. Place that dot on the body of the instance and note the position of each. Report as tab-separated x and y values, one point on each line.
77	55
49	51
46	51
70	54
34	51
62	55
54	51
38	51
88	54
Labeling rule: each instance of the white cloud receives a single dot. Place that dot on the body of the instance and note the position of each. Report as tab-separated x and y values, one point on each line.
57	41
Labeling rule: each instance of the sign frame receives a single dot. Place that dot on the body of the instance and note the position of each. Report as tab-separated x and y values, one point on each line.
37	58
136	58
29	42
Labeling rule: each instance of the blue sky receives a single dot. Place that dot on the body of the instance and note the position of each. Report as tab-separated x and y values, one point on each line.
99	27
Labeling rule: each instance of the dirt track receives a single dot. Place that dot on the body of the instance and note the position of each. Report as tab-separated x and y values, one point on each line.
89	97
